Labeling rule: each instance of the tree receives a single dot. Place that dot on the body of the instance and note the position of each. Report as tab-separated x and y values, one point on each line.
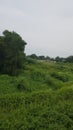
59	59
33	56
41	57
69	59
47	58
11	52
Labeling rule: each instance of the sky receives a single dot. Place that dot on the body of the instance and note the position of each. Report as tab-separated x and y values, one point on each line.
46	25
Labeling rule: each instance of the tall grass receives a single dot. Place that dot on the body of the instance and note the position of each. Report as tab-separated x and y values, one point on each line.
40	98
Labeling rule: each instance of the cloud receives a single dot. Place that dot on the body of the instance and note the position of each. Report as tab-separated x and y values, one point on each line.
12	12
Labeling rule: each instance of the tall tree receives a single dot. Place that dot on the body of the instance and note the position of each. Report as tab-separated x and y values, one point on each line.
11	52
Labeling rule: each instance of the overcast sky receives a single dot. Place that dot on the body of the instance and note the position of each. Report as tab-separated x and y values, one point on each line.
46	25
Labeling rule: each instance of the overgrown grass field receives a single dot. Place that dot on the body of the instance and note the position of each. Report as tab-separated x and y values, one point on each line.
39	98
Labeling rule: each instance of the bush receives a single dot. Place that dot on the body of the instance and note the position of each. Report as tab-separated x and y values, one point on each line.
23	85
60	76
53	83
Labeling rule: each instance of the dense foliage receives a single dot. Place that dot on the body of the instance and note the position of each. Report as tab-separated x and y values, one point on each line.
68	59
11	52
40	98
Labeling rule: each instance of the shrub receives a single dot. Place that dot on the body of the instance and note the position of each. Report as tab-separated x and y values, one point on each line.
60	76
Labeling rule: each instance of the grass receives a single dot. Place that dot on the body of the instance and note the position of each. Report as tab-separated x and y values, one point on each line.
40	98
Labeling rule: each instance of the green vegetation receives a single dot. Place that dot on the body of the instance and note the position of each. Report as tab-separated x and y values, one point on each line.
11	52
40	96
68	59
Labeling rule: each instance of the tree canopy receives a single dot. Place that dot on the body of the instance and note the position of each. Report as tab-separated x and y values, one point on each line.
11	52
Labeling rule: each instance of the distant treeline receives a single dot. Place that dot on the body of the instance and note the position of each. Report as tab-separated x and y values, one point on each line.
47	58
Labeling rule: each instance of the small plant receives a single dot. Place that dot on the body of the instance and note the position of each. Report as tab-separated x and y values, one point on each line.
63	77
22	85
